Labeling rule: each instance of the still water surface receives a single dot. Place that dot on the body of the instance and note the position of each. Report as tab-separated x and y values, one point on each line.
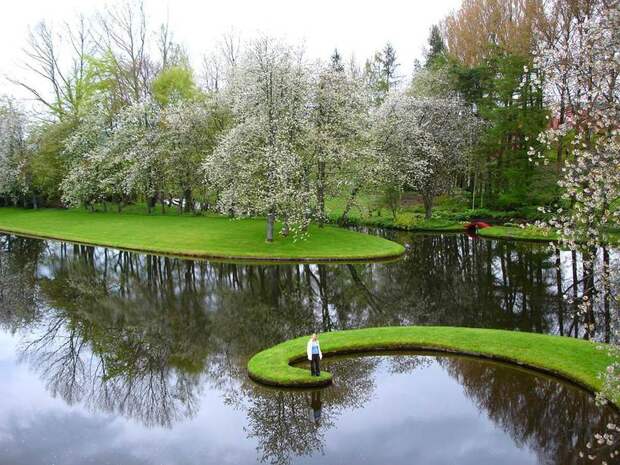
115	357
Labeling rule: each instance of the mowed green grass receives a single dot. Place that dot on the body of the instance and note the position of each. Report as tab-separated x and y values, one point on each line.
575	359
196	236
531	233
512	232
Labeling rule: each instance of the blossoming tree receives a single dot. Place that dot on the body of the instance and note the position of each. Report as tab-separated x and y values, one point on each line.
260	165
581	65
423	142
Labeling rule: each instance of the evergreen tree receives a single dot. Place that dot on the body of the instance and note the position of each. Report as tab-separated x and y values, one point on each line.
388	62
335	62
380	73
436	47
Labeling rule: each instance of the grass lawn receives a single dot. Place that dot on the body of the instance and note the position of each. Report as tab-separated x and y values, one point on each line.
366	213
195	236
512	232
531	233
575	359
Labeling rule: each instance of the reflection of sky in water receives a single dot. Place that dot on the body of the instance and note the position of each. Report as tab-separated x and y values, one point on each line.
421	416
197	322
37	429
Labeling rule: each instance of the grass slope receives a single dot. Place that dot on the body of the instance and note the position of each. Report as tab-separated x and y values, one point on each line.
578	360
213	236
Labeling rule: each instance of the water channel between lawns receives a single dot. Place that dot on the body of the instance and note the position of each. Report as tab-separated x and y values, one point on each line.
118	357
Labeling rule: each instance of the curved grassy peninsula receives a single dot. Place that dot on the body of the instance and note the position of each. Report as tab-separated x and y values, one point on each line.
578	360
189	236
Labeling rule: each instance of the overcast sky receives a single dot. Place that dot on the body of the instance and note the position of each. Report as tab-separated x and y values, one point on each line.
356	27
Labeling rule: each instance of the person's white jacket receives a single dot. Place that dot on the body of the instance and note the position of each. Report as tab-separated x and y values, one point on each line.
309	350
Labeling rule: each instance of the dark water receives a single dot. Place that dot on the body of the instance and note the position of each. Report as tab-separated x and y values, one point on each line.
114	357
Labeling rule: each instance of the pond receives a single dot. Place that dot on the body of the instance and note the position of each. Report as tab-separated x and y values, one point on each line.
117	357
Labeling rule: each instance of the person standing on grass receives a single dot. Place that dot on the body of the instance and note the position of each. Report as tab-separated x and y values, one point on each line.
314	355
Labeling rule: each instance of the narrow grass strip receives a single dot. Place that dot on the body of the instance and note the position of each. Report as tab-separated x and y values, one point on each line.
196	236
574	359
535	234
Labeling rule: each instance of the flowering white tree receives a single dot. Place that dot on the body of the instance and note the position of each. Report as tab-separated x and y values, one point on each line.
339	129
585	66
187	136
113	160
423	142
13	151
260	165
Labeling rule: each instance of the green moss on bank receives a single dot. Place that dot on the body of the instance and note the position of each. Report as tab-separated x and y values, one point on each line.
578	360
195	236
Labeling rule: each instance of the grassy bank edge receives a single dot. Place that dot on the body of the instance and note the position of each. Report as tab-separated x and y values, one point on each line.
528	233
388	251
572	359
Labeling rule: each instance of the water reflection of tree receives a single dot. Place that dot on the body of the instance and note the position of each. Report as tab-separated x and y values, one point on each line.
554	419
19	260
136	334
449	279
115	347
286	424
456	280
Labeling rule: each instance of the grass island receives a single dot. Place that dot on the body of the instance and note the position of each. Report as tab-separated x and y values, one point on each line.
577	360
195	236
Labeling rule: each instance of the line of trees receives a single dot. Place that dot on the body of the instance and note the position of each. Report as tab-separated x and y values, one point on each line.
268	133
263	130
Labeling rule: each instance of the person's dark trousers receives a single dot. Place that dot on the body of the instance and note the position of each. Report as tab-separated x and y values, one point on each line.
315	368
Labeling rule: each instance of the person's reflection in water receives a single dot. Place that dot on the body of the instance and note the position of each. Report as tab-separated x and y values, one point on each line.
315	405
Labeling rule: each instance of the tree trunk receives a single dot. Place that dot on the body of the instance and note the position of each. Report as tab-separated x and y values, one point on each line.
271	219
347	208
320	193
428	207
606	295
559	292
560	158
473	191
588	258
189	201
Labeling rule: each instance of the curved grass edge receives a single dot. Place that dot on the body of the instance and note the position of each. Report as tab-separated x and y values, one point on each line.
381	253
379	258
575	360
